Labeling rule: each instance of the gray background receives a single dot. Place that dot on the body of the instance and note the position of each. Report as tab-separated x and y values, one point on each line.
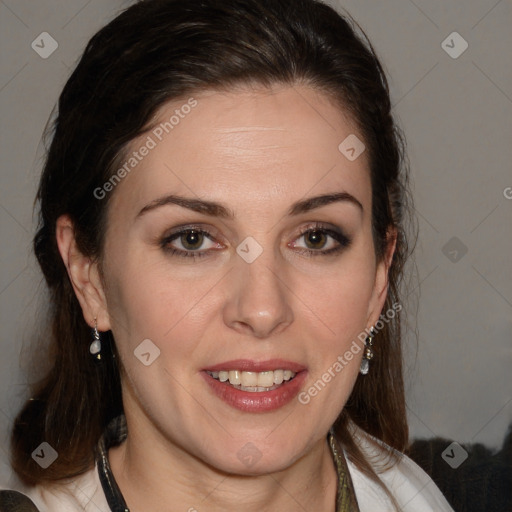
457	117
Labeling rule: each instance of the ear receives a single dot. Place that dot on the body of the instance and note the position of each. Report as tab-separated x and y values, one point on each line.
380	289
84	276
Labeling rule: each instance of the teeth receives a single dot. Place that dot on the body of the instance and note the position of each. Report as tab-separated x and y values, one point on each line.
266	379
249	379
254	381
278	376
234	377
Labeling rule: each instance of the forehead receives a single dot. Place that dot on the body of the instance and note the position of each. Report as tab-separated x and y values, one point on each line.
245	147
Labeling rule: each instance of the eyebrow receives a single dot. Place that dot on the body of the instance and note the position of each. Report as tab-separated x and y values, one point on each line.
217	210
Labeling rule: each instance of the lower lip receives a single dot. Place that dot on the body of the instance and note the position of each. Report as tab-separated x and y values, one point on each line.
258	401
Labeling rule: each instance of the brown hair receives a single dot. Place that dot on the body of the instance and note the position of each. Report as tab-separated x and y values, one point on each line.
156	51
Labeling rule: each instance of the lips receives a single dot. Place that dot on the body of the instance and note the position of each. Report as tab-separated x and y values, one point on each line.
260	395
256	366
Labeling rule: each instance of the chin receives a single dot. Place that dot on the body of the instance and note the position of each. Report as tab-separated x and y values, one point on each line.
252	458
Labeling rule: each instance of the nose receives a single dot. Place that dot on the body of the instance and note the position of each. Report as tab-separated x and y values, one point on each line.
258	299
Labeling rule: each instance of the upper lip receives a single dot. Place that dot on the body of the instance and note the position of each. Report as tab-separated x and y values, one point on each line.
247	365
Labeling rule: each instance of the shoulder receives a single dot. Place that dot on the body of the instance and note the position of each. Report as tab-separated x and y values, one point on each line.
81	494
411	487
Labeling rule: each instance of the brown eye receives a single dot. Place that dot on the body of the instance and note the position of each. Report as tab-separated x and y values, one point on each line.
321	241
315	239
192	240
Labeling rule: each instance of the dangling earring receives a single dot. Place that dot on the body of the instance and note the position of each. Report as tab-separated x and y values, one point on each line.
368	352
95	347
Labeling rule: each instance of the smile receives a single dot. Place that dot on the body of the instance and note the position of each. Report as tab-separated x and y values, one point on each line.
252	386
253	381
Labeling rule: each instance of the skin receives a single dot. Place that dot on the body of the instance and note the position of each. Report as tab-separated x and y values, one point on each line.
256	152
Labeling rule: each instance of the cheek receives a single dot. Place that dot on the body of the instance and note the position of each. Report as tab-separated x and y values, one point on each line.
336	314
342	295
149	305
153	301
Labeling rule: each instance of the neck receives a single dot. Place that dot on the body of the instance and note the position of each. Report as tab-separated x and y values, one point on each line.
151	471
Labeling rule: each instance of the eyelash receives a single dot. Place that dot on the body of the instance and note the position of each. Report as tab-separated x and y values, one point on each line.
343	240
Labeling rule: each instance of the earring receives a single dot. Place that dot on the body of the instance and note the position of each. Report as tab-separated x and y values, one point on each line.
368	352
95	347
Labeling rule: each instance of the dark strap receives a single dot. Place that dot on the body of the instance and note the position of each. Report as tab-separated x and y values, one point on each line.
14	501
346	500
115	434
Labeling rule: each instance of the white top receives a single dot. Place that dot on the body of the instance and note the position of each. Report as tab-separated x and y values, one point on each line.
408	483
411	487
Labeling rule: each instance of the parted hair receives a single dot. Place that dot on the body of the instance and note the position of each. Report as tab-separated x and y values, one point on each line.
153	52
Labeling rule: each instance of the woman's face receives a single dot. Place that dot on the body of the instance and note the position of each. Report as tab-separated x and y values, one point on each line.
241	242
